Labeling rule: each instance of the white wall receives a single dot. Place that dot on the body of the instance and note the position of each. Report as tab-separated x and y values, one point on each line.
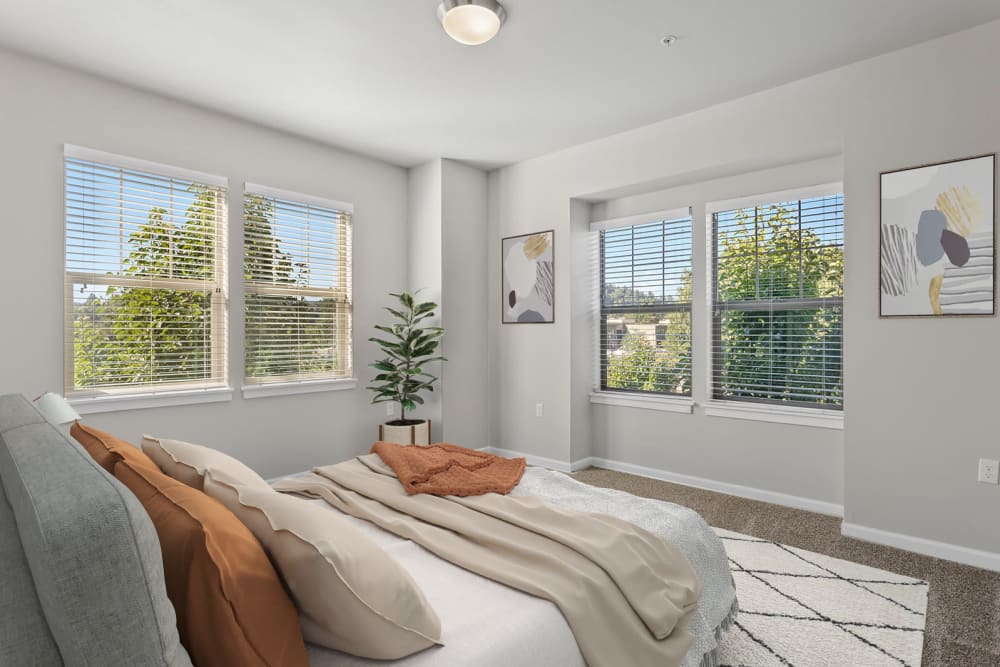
44	107
919	394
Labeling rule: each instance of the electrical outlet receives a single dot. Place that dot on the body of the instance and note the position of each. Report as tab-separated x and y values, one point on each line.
989	471
390	409
539	409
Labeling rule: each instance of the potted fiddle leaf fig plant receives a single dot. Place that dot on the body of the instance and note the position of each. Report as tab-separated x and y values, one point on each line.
408	347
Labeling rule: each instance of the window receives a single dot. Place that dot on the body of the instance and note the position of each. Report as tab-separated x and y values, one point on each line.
778	302
145	276
645	309
297	271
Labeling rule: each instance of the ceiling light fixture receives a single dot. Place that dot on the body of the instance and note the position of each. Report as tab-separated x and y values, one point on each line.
471	22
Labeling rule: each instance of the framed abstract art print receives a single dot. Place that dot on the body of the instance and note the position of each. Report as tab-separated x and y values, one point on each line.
938	239
528	277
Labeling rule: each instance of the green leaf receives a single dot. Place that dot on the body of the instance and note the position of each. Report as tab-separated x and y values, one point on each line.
386	345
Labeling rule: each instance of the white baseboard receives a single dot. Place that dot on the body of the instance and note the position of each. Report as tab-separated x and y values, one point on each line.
541	461
752	493
797	502
965	555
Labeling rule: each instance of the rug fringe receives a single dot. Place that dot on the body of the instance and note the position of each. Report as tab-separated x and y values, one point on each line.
711	659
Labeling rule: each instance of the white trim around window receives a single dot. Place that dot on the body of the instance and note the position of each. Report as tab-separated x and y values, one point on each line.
298	330
779	414
823	221
145	270
298	197
623	399
797	415
641	219
132	163
114	402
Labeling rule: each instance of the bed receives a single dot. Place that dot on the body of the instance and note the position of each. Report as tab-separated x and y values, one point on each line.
488	624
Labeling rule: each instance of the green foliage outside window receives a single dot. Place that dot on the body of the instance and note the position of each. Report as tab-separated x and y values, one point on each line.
287	335
140	335
767	353
774	354
147	335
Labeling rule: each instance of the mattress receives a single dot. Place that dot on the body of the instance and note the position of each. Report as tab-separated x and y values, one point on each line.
488	624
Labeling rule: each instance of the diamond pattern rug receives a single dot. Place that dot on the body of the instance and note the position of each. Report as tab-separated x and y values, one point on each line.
805	609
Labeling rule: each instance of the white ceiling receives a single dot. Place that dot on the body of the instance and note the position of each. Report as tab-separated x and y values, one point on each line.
381	77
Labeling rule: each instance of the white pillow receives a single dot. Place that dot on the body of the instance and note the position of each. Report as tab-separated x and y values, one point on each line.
351	595
188	463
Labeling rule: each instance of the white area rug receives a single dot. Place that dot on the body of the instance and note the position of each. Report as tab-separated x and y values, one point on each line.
805	609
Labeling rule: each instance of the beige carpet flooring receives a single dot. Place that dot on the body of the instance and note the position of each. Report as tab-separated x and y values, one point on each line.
963	606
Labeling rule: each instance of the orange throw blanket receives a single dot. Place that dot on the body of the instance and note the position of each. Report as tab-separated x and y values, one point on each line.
449	470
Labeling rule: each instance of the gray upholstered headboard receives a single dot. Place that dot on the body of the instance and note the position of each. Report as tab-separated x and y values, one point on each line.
78	554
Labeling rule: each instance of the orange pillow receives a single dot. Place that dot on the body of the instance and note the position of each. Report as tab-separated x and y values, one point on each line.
231	607
108	450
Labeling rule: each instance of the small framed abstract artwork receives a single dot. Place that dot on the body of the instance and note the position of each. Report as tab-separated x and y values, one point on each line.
938	239
528	277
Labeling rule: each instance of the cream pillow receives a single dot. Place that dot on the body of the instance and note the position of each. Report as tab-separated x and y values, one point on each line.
351	595
188	463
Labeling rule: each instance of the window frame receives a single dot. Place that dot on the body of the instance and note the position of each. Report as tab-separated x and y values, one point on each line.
652	400
343	296
103	399
764	409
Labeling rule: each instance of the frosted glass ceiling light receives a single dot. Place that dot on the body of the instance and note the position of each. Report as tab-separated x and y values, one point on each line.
471	22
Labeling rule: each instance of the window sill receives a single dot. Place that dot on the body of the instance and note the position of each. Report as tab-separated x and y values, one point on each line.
291	388
682	404
776	414
113	402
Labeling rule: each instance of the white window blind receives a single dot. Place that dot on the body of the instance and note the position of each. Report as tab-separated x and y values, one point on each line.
777	298
145	276
645	306
297	268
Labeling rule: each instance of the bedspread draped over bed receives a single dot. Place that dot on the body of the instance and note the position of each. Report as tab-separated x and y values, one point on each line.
625	592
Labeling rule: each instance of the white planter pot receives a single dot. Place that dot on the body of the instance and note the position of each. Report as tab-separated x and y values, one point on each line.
418	434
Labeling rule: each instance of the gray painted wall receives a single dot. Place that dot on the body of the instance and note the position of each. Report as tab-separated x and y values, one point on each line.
464	304
919	393
711	447
45	107
447	250
423	246
922	394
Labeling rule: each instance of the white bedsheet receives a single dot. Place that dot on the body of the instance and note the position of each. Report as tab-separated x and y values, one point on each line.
484	624
487	624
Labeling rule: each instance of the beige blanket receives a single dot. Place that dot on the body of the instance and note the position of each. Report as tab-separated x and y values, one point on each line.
625	593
